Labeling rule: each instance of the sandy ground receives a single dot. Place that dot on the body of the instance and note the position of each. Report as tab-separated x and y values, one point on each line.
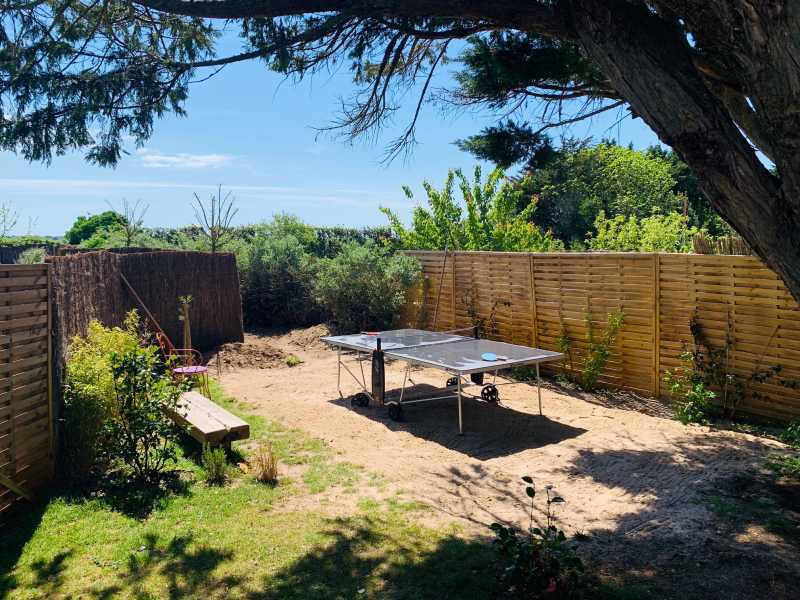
645	490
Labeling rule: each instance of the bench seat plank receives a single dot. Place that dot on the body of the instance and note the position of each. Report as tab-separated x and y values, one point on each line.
208	422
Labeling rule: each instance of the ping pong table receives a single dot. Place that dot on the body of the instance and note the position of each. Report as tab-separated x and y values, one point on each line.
467	358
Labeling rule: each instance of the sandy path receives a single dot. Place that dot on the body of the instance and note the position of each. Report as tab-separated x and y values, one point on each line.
628	478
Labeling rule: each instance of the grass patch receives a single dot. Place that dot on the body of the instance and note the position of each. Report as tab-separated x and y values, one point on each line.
228	542
785	465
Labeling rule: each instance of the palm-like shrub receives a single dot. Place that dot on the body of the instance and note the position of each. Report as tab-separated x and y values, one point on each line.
487	218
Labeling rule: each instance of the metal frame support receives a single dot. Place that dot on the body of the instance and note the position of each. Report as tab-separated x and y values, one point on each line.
539	388
460	421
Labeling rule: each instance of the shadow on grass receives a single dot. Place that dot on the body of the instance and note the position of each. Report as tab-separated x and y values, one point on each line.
368	559
187	567
359	560
13	537
134	498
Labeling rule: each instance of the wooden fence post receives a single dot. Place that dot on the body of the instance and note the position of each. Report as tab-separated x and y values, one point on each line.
453	289
657	324
50	408
532	270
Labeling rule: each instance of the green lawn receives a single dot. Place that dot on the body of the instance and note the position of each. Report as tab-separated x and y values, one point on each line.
243	540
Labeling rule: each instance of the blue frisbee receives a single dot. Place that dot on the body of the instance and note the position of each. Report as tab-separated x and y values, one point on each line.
489	356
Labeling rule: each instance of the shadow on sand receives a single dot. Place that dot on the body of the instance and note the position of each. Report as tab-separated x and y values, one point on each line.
490	430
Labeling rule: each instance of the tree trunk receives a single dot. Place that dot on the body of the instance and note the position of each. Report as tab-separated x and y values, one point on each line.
650	63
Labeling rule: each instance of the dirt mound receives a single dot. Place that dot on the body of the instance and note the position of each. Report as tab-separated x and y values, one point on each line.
307	338
248	355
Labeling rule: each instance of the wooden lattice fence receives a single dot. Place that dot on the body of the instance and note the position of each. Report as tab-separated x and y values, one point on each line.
26	425
534	298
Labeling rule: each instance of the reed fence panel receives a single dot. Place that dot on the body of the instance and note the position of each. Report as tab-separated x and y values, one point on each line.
538	298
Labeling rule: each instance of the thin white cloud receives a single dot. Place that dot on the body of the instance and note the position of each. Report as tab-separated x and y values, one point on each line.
278	197
153	159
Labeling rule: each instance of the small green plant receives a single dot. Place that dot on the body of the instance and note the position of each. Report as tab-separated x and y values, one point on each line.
714	366
140	433
693	399
564	345
785	465
184	306
215	464
539	562
293	361
486	325
599	348
791	435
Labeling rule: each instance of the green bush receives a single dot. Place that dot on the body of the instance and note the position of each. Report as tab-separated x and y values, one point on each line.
139	433
85	227
215	464
656	233
365	287
277	276
89	391
32	256
114	237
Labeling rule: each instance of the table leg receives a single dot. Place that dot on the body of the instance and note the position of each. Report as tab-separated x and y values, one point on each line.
460	425
339	371
539	388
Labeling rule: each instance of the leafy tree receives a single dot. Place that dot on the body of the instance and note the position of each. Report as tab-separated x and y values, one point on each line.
85	227
492	220
700	212
578	181
713	79
509	144
656	233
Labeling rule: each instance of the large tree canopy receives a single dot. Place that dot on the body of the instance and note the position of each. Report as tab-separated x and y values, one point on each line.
715	79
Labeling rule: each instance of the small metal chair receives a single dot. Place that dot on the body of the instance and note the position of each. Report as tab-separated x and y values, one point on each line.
185	362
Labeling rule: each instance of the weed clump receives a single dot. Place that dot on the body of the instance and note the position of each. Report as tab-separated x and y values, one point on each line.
215	464
263	464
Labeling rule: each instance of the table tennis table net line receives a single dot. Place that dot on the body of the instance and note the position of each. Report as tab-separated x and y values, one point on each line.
421	344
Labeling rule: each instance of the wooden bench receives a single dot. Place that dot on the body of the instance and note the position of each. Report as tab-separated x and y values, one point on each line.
208	422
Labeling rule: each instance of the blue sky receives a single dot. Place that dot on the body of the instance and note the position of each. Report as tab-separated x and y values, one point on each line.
253	132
